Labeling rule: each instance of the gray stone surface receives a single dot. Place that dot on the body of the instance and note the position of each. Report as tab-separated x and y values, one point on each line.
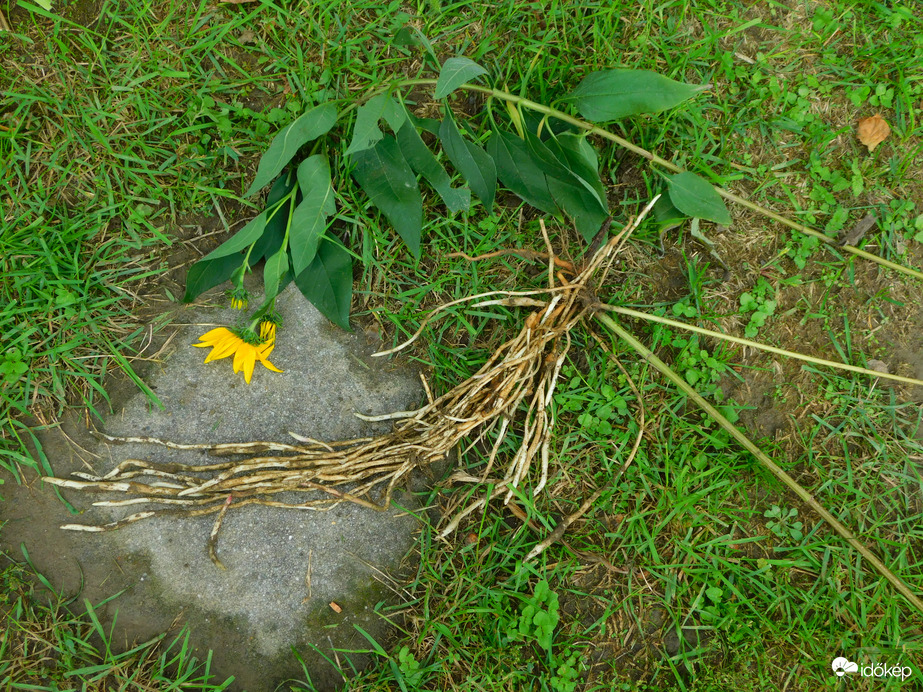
265	602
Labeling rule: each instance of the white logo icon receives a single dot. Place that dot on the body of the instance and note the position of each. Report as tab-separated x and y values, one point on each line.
841	666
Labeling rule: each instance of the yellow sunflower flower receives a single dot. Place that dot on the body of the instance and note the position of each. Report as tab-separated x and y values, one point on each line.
247	355
225	342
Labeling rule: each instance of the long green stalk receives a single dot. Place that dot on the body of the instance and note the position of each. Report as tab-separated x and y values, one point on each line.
653	158
768	463
755	344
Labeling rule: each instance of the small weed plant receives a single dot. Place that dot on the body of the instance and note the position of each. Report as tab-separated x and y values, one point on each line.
782	523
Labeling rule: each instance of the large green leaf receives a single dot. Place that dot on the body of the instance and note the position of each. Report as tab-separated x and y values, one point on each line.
613	94
389	182
205	275
520	171
274	269
421	159
430	125
564	174
285	145
546	159
241	240
580	158
217	266
366	131
579	204
309	219
277	221
695	196
454	73
328	282
474	164
667	216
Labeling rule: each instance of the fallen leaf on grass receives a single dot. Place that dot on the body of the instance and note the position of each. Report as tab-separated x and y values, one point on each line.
858	232
873	131
878	366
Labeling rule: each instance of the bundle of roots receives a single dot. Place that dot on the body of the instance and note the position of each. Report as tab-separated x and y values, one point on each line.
513	388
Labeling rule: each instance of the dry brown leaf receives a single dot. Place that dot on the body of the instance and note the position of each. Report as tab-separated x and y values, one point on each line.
873	131
334	606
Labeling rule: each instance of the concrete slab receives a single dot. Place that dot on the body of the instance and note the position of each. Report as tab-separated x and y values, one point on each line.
284	567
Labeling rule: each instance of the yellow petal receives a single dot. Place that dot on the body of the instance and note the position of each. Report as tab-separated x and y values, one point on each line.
239	356
215	335
268	331
270	366
224	348
213	342
248	368
244	360
262	354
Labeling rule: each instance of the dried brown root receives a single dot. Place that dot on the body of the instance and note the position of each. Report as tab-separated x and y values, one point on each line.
515	385
524	253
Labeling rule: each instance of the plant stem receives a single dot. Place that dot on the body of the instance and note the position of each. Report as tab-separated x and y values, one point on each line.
755	344
768	463
653	158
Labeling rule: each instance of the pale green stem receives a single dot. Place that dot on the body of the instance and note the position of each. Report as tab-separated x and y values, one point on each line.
653	158
746	342
768	463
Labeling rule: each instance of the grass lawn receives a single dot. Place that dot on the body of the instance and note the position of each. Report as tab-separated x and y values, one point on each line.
130	130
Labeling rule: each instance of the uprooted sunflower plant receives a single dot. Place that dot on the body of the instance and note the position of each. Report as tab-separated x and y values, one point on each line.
545	157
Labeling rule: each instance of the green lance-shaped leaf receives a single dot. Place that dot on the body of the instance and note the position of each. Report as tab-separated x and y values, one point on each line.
572	180
519	171
430	125
695	196
613	94
309	219
474	164
285	145
366	131
579	204
581	160
328	282
205	275
217	266
454	73
666	215
277	222
421	159
545	158
389	182
274	269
